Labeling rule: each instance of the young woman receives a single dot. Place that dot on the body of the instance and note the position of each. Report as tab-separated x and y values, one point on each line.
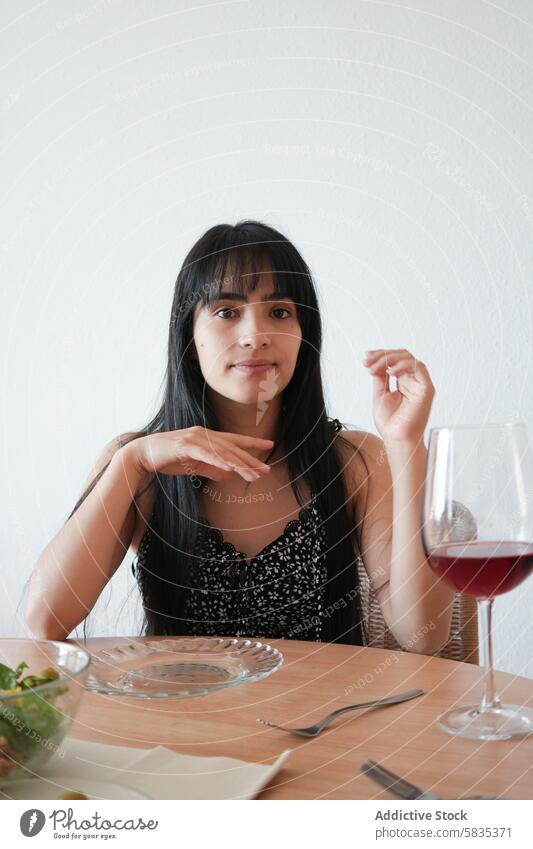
246	504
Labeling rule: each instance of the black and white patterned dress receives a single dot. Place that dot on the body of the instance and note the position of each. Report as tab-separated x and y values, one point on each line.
279	594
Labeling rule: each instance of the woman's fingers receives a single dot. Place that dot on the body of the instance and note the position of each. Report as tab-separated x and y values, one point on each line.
245	462
411	369
228	456
386	359
402	365
209	470
371	356
396	363
226	445
205	455
218	450
224	452
247	441
408	366
246	456
226	461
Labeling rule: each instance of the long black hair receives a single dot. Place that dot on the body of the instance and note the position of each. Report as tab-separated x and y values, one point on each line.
307	435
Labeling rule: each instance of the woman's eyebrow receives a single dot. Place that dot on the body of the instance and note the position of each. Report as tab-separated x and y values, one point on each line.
236	296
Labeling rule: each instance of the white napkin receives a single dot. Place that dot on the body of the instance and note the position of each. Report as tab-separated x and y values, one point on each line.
110	772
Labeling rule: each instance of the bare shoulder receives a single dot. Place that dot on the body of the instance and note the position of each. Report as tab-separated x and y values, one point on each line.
362	450
143	502
362	456
368	443
107	453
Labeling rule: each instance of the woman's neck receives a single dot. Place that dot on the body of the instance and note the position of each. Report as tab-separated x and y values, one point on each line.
259	420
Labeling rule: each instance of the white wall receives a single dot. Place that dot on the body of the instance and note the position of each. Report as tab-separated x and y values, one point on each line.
391	141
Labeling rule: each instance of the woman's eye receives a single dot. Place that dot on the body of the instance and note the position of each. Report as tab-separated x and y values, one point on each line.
231	310
224	309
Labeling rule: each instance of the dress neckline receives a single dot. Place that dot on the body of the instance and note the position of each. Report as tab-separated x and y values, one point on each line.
240	554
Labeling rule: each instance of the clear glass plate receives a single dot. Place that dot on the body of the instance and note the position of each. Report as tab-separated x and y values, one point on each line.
176	668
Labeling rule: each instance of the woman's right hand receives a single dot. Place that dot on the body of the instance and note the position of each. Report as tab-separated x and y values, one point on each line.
198	451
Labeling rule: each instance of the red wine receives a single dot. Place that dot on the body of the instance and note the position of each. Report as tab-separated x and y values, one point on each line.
483	568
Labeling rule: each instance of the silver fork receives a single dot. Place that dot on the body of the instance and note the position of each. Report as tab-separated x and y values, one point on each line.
400	787
313	730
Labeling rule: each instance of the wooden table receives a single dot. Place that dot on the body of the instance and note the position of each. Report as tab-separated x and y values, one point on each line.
314	679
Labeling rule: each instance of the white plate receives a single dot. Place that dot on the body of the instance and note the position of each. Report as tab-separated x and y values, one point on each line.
40	788
176	668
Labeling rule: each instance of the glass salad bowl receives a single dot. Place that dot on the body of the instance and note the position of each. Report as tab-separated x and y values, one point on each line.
41	684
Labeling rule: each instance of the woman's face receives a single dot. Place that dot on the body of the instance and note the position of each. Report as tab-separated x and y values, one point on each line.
255	326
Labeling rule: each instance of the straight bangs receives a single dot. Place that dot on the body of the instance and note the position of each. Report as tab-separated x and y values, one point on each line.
239	266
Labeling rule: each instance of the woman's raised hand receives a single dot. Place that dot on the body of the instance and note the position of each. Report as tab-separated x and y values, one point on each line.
198	451
400	416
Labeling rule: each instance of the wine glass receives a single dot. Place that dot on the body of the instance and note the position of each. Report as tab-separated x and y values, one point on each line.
477	530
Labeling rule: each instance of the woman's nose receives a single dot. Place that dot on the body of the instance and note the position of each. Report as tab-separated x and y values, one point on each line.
254	339
254	335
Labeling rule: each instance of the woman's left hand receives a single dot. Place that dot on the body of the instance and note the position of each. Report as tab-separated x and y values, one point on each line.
400	416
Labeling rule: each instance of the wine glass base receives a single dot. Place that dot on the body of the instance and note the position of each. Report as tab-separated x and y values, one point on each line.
500	723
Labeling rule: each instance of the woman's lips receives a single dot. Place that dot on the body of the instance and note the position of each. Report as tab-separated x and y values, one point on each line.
259	369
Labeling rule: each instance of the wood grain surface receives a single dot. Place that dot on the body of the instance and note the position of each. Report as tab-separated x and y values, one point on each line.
315	679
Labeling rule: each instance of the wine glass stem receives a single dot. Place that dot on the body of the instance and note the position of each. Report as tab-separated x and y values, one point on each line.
490	697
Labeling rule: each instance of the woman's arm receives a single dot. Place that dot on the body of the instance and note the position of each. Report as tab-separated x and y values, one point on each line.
75	566
416	605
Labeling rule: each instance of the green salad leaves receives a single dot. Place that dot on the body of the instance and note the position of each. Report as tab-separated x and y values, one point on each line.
9	678
30	724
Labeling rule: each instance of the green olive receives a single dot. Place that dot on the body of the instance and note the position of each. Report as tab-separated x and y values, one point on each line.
72	794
